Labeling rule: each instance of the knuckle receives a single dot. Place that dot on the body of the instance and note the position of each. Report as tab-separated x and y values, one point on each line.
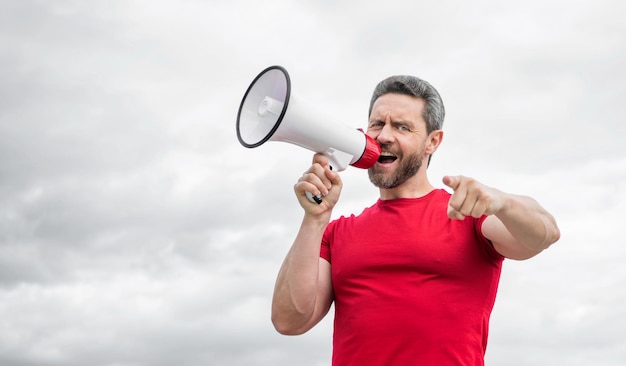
307	176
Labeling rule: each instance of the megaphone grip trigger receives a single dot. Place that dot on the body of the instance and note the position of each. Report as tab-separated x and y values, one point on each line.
315	199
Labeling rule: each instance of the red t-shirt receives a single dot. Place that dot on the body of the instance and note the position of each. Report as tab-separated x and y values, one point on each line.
411	286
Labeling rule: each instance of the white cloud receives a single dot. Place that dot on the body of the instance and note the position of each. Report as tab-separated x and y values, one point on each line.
135	230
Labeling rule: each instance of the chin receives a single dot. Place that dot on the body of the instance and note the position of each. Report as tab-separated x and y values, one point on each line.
382	180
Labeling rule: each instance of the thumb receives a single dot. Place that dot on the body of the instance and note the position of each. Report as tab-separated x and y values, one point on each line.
452	182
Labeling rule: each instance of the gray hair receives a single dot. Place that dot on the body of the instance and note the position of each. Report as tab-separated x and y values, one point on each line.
434	112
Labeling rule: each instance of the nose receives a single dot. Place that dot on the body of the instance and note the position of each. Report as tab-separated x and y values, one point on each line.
385	135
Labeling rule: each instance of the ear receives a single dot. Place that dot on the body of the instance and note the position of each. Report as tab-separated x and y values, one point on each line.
433	141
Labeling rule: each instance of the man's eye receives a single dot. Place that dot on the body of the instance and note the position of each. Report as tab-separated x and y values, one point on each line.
403	129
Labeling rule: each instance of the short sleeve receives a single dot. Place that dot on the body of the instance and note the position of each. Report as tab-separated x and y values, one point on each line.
326	239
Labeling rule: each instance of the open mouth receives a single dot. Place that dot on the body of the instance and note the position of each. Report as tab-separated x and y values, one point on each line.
387	158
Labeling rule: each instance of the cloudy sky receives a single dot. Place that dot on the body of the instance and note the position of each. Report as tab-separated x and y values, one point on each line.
136	231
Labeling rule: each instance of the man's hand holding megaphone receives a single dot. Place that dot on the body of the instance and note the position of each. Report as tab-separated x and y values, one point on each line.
321	181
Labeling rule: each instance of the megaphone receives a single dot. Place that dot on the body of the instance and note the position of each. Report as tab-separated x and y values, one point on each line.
269	112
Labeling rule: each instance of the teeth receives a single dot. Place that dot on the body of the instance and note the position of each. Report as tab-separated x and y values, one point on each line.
387	157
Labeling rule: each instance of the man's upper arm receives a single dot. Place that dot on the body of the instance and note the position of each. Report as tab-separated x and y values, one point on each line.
503	242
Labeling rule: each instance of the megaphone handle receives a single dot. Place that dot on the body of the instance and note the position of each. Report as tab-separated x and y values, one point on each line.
315	199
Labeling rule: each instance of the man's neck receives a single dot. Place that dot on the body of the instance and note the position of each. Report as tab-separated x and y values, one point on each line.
417	186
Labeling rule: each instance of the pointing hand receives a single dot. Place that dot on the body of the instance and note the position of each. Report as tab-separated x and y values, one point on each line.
471	198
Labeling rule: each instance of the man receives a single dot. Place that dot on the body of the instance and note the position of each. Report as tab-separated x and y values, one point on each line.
414	277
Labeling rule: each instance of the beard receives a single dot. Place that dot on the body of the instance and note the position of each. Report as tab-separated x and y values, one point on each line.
408	166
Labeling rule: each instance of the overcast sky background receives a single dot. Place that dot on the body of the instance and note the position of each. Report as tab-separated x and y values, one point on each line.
135	230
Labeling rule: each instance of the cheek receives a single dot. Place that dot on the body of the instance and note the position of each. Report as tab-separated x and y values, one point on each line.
410	147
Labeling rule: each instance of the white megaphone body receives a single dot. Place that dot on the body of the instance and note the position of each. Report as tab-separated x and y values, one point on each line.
269	112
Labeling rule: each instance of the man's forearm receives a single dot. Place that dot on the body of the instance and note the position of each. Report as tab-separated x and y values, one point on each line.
528	222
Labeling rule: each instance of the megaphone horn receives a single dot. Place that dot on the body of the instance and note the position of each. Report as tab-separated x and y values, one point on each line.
270	112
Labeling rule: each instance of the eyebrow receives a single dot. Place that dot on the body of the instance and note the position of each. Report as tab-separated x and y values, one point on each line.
393	122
